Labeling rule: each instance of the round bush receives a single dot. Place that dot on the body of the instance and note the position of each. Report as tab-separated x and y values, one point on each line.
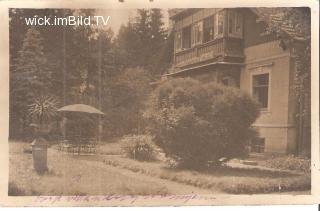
139	147
195	123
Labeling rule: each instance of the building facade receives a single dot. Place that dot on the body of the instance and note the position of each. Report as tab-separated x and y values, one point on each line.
228	46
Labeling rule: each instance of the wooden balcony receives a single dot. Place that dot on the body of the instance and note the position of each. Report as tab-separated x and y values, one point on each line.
219	50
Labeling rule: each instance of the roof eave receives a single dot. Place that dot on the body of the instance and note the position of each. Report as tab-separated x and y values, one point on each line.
197	67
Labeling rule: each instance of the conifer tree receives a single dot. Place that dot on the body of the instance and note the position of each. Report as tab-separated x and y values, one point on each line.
142	41
30	76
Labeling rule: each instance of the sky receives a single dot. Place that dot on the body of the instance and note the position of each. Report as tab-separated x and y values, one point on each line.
121	16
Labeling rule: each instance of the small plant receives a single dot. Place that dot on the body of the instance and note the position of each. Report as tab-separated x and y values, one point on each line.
43	109
139	147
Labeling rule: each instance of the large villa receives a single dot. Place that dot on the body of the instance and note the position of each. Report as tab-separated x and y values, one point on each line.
228	46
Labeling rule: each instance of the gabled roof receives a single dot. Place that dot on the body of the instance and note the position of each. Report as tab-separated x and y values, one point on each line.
174	13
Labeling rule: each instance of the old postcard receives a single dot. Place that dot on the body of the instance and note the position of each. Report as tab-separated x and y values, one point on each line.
153	103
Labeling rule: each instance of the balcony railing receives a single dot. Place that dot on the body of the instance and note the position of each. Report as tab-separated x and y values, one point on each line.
216	50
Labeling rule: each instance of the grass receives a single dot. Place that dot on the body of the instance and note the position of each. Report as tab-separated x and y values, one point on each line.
299	183
70	175
88	175
226	179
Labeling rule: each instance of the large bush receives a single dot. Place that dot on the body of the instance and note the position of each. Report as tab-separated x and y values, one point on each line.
195	123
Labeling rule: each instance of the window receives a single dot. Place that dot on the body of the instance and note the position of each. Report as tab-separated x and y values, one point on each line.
186	37
261	89
219	24
234	23
178	40
208	29
239	26
258	145
197	33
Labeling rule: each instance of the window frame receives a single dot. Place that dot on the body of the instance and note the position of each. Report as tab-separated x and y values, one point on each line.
197	33
190	37
238	19
210	37
198	27
178	47
260	71
218	35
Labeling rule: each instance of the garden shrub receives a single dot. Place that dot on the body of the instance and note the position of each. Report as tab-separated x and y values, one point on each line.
298	183
139	147
195	123
290	163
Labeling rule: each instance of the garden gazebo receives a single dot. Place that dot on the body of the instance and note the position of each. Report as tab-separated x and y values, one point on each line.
80	128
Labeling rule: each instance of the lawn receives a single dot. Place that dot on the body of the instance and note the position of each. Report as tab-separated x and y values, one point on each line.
81	175
233	178
109	172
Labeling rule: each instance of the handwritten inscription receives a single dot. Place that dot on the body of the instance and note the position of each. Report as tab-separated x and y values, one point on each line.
120	198
76	178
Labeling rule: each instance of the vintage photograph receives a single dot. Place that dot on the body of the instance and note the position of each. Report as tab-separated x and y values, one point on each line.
159	102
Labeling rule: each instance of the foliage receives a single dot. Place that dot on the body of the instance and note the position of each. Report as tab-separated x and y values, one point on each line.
29	76
143	42
195	123
41	112
300	183
139	147
290	163
29	72
128	92
83	64
221	179
43	108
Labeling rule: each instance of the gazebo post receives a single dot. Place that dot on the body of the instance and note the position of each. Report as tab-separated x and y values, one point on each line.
100	130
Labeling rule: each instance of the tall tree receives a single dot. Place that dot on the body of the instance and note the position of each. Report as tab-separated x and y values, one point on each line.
30	76
158	42
143	41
